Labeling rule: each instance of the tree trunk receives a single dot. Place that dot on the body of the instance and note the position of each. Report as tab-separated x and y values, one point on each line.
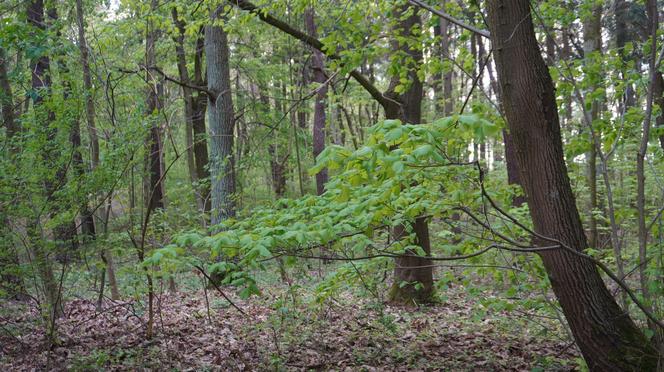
7	104
653	18
443	80
592	44
199	107
183	73
221	121
621	9
608	338
154	189
317	65
87	84
413	276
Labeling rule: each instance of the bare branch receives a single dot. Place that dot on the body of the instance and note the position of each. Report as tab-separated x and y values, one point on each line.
316	44
448	17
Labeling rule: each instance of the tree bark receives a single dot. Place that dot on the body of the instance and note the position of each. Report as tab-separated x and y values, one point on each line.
319	130
608	338
221	121
592	34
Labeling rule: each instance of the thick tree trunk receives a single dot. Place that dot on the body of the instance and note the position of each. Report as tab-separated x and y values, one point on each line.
221	122
319	132
607	337
413	276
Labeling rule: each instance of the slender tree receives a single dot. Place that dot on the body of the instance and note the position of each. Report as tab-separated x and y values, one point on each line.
592	47
153	185
320	105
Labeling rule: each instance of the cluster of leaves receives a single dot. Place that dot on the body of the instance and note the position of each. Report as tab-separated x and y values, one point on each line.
403	172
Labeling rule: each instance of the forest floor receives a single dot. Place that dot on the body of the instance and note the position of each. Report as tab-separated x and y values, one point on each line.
348	332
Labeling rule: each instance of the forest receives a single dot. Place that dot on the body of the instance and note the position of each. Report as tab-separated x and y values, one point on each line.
345	185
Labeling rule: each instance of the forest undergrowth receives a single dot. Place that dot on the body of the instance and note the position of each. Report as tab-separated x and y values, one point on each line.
279	331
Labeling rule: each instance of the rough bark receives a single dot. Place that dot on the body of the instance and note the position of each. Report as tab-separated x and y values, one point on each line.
319	132
608	338
221	122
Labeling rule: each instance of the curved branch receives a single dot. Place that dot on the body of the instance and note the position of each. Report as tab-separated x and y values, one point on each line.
314	43
448	17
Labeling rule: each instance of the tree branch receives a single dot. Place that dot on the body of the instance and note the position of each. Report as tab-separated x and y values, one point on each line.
198	88
448	17
314	43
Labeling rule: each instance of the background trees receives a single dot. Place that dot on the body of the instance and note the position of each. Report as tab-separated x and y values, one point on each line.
142	140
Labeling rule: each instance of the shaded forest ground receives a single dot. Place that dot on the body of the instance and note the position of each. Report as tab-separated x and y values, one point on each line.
347	332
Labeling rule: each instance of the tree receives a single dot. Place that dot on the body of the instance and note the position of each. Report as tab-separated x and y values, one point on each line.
607	337
319	132
413	276
413	280
592	47
153	186
443	81
194	113
220	118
